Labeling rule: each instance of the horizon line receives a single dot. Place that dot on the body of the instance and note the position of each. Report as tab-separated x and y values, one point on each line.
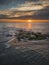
23	20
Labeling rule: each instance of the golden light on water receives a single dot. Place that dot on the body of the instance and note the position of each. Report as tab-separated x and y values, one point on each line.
29	25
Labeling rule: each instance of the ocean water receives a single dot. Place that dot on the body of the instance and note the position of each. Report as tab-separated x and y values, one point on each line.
34	26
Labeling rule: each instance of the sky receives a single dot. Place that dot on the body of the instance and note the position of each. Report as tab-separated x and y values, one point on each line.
24	9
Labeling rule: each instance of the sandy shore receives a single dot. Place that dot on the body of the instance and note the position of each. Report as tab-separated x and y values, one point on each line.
32	52
40	46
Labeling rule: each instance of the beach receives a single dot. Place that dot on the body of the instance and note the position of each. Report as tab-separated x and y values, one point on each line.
22	52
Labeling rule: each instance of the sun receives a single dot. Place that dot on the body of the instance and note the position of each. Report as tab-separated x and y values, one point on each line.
29	20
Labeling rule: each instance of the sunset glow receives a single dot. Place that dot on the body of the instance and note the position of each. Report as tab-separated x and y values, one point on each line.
14	20
29	20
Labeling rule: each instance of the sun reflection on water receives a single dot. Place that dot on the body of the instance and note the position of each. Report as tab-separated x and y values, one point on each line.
29	25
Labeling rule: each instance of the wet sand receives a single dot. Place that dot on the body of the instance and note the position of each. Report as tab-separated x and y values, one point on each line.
21	55
24	53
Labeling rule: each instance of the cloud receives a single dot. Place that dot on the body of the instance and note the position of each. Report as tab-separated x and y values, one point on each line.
2	16
33	9
5	2
43	14
33	14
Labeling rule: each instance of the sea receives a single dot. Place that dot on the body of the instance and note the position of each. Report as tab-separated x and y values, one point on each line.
23	53
34	26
